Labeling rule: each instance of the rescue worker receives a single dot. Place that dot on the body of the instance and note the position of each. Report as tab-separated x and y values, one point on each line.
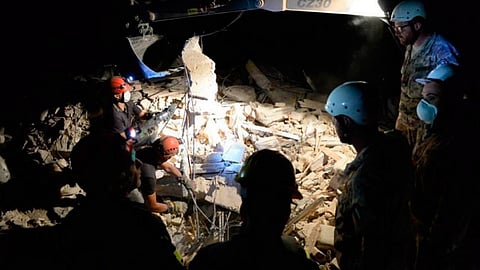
424	50
106	230
267	180
154	157
124	111
444	205
372	221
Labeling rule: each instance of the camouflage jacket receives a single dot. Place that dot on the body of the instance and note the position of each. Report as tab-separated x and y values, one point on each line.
372	223
437	50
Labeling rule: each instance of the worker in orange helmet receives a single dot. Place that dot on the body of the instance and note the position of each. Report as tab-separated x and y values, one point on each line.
154	157
124	111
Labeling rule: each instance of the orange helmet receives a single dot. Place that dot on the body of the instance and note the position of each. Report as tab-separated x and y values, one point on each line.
169	145
119	85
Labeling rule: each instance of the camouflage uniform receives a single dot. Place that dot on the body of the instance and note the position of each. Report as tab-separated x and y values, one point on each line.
372	221
437	50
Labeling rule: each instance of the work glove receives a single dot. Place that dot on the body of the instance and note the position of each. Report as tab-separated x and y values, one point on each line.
170	206
176	207
188	184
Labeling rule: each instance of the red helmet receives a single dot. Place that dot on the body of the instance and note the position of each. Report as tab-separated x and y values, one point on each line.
170	145
119	85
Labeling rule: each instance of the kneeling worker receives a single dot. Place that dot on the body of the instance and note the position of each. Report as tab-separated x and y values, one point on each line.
153	157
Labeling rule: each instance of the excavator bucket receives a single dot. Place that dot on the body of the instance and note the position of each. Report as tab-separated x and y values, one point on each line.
139	45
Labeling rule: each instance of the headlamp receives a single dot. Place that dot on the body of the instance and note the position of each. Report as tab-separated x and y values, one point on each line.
131	133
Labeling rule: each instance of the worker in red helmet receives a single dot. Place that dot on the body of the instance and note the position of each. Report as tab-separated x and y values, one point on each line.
124	111
153	158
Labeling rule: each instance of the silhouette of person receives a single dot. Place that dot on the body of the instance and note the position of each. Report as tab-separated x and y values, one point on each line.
268	186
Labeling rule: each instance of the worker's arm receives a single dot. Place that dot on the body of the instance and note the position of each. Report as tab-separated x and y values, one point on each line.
171	169
154	206
142	113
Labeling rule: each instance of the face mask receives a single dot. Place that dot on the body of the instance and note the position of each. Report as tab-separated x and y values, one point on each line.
426	112
127	96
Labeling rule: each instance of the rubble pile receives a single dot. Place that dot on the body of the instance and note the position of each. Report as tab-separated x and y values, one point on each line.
217	132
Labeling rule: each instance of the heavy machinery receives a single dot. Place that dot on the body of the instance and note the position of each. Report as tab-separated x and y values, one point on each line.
166	10
146	14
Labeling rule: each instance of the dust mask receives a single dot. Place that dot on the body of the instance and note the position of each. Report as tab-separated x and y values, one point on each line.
126	96
426	112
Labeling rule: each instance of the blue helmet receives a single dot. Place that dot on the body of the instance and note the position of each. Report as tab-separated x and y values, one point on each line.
349	99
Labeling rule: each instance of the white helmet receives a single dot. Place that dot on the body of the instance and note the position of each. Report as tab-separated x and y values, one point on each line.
441	72
349	99
407	10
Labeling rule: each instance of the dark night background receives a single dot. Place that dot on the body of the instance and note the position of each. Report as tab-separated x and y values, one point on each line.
47	43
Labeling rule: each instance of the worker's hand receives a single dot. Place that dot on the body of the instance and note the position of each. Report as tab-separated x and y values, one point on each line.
183	182
191	184
188	184
148	115
176	207
170	206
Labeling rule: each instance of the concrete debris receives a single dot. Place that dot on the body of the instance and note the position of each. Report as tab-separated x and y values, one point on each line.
207	130
27	219
240	93
4	171
71	192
